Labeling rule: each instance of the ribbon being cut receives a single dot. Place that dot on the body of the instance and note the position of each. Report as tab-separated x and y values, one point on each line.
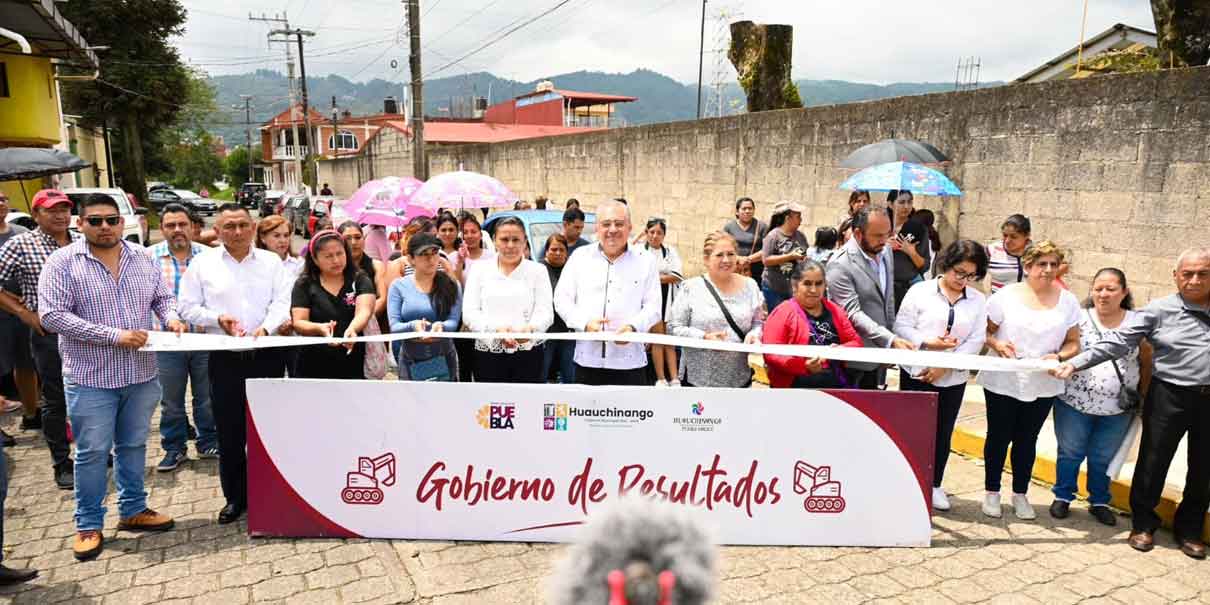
167	341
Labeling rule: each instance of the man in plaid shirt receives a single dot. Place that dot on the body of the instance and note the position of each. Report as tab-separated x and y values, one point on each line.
177	368
22	258
99	296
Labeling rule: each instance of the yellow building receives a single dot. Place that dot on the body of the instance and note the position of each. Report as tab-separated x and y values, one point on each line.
35	41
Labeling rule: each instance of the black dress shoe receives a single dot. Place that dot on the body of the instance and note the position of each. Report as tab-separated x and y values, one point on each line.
1104	515
7	440
230	514
1060	509
31	423
10	576
65	475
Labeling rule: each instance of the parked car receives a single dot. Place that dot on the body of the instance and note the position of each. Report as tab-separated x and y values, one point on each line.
296	213
133	230
320	209
162	197
157	185
269	205
250	195
21	218
540	225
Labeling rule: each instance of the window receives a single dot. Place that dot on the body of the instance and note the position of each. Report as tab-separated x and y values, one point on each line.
3	80
343	140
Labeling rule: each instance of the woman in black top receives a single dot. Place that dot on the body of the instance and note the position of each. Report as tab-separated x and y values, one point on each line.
332	297
749	234
559	354
910	242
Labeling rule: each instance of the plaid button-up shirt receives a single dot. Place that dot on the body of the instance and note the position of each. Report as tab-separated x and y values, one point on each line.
172	269
81	301
23	257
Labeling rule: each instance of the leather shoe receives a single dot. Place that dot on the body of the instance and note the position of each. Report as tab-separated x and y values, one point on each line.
1060	509
1103	515
1192	547
65	475
7	440
230	514
1141	541
89	544
9	576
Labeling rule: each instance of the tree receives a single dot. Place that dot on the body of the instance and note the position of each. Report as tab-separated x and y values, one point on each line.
236	165
761	56
194	163
1182	28
142	82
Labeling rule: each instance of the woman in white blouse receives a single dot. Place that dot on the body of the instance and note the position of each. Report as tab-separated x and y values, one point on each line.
1032	319
508	294
669	264
945	314
1090	420
698	312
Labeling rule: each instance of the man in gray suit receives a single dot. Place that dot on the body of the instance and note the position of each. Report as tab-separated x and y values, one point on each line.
861	280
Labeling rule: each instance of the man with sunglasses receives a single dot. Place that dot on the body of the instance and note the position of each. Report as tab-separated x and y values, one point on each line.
99	296
22	259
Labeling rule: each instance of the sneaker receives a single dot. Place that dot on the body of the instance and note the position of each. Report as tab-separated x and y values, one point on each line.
674	383
1102	513
148	520
208	453
170	462
1060	509
31	423
88	545
65	475
661	383
1022	508
8	405
991	504
940	500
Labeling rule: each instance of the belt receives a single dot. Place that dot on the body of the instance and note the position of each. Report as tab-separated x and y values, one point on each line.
1201	389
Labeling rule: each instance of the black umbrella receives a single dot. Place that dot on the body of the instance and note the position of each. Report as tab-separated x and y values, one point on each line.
894	150
24	163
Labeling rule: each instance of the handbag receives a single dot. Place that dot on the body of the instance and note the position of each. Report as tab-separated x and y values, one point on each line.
433	369
1128	397
746	269
375	366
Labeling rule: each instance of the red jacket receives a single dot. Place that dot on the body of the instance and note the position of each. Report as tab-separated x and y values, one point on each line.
785	326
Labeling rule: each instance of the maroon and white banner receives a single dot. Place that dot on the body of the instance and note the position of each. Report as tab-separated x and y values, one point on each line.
473	461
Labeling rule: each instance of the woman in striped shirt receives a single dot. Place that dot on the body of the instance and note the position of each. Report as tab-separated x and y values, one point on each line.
1004	257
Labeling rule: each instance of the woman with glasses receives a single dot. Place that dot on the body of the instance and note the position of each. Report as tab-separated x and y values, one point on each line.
1034	319
670	266
945	314
909	241
808	318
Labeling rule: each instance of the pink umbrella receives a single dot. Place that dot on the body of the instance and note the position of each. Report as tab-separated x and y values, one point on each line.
464	189
386	202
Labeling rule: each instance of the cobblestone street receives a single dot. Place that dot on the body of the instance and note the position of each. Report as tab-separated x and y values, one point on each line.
972	560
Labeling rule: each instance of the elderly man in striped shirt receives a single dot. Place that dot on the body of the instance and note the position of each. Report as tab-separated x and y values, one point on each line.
99	295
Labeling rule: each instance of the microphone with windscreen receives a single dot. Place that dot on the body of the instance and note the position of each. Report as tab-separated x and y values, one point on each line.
638	552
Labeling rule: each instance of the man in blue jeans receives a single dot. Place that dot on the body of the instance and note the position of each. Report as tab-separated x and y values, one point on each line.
99	295
9	575
178	368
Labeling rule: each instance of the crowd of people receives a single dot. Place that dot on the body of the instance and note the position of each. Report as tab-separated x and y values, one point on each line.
79	304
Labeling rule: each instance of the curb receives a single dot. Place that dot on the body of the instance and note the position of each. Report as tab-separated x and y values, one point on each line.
970	443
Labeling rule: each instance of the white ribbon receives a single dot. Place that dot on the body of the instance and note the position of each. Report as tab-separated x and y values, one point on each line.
167	341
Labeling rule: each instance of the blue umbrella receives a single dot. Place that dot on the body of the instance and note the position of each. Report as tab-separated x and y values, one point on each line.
902	176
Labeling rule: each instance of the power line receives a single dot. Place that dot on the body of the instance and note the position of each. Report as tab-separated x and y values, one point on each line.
506	34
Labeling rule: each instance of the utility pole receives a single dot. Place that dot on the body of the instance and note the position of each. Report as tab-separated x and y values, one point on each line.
420	163
306	107
282	20
247	129
701	54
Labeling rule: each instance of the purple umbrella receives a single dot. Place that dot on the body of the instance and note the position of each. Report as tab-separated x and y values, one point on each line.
464	190
386	202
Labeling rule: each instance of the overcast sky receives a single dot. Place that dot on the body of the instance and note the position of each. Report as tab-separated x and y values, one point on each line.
879	41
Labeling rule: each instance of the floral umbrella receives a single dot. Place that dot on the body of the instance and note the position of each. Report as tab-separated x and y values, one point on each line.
464	189
902	176
386	202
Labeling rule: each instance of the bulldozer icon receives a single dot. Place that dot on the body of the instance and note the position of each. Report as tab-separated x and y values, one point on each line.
361	487
824	494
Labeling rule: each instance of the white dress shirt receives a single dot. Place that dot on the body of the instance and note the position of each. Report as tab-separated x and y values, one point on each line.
494	300
256	291
925	314
625	291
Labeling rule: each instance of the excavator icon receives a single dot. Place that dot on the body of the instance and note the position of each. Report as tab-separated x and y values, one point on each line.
361	487
825	493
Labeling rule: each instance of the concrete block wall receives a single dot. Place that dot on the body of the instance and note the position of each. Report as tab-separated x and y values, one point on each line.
1115	168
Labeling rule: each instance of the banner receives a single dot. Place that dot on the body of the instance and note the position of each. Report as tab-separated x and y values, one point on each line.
167	341
474	461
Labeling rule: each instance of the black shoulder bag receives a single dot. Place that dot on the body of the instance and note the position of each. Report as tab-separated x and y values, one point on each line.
726	314
1128	397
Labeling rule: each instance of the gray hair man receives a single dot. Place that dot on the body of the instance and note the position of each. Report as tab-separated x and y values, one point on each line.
1178	401
610	287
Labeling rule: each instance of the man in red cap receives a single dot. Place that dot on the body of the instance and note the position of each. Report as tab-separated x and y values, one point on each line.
21	259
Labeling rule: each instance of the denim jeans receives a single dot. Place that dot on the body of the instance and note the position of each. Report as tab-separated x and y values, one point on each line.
1082	436
104	420
773	298
176	370
564	353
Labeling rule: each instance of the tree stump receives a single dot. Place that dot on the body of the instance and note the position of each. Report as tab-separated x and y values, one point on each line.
1182	30
762	56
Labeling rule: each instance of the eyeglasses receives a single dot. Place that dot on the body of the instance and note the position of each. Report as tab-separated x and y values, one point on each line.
95	221
964	276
